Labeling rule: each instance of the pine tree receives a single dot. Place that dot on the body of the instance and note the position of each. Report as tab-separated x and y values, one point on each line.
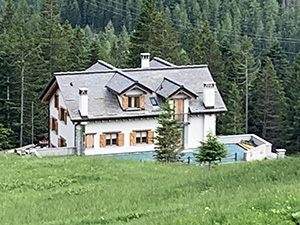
142	36
269	106
210	150
280	62
293	106
232	122
168	135
165	41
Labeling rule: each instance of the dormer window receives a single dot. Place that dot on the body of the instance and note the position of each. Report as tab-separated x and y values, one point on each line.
134	102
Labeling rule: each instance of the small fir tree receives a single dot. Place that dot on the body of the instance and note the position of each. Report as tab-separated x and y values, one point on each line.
210	150
5	134
168	143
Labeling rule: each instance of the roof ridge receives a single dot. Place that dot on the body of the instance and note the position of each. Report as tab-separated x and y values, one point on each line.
166	68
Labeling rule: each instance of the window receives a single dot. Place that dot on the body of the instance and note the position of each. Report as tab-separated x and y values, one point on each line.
54	125
153	101
141	137
62	142
56	101
111	139
63	115
134	102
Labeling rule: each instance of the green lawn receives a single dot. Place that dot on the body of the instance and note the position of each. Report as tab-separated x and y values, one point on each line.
95	190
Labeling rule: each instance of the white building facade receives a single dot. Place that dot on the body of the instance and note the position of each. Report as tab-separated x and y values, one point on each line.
117	109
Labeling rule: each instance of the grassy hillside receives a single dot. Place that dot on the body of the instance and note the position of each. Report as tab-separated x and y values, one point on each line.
90	190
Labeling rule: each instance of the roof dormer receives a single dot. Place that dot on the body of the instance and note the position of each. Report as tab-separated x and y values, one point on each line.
171	89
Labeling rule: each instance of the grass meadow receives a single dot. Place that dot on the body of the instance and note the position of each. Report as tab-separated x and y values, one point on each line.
96	190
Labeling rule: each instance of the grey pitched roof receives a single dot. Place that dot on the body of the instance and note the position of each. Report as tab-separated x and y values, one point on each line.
101	65
120	83
158	62
103	86
168	88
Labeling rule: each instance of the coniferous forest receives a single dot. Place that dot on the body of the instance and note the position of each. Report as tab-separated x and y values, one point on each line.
251	46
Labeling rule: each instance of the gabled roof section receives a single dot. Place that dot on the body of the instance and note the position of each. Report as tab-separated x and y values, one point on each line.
120	83
101	65
168	88
158	62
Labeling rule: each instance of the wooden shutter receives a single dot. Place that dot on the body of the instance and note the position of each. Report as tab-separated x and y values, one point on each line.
142	102
51	124
59	113
59	142
56	126
124	102
120	141
102	140
150	137
133	138
89	141
65	116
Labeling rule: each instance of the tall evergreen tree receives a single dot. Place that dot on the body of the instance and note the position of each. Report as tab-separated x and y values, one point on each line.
168	144
142	36
269	106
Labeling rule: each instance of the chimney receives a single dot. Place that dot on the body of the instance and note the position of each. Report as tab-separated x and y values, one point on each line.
83	101
209	94
145	60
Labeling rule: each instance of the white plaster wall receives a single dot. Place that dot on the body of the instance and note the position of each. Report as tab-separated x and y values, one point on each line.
64	130
125	127
195	132
209	124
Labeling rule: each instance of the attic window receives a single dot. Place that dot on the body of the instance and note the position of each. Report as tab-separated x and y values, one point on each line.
153	101
133	102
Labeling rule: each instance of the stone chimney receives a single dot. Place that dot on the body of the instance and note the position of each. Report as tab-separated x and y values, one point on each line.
83	101
145	60
209	94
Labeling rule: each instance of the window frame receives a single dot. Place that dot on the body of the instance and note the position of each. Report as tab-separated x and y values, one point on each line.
134	102
139	134
111	139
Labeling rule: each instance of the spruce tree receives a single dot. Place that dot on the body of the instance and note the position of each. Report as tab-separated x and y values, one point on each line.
269	106
168	144
142	36
210	150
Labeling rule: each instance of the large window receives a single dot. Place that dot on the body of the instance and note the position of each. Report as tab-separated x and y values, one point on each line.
141	137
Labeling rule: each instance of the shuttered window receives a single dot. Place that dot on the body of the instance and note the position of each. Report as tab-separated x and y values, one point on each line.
133	102
142	137
111	139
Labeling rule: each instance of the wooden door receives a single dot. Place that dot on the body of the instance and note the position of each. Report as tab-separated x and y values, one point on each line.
179	109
